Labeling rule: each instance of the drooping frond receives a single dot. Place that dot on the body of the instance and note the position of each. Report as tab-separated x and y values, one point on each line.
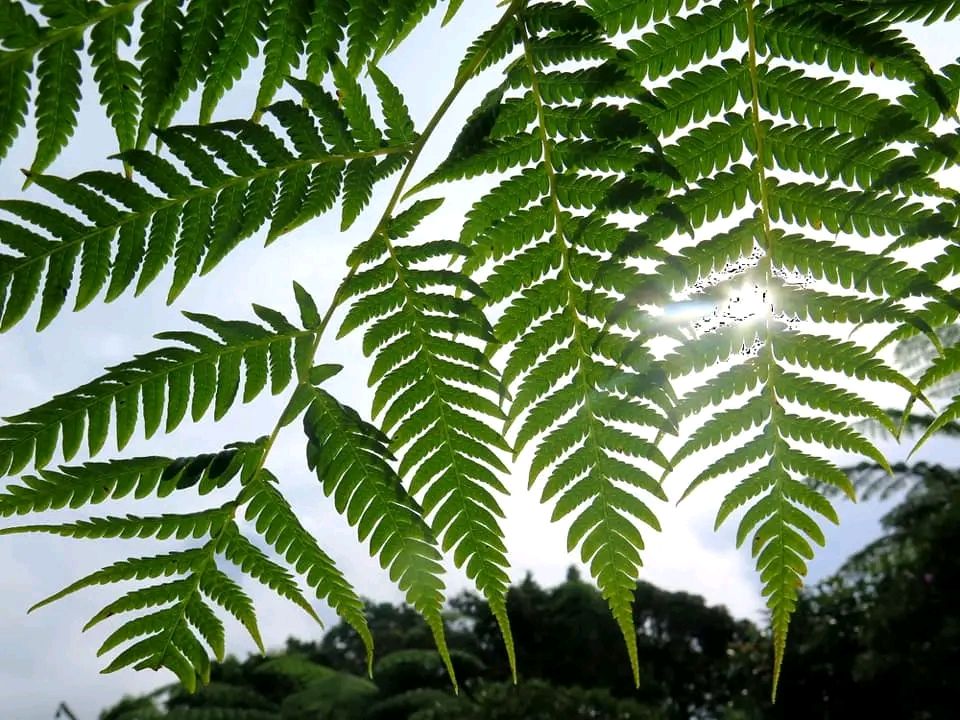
193	219
276	522
754	108
435	388
200	373
180	47
543	235
351	460
436	391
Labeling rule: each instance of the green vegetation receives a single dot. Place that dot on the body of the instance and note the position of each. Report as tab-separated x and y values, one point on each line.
880	637
633	155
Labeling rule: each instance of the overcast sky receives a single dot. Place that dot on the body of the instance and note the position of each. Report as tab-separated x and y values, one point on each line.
46	659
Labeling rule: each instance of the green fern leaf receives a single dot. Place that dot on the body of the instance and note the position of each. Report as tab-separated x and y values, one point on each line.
93	483
117	78
252	561
571	384
350	458
859	176
617	15
275	520
14	100
202	27
18	30
213	366
58	98
400	127
243	27
326	31
286	30
816	35
401	17
364	20
181	526
170	642
159	56
195	226
927	12
431	389
688	40
586	278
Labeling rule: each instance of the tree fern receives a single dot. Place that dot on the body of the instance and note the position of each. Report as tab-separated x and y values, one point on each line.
648	167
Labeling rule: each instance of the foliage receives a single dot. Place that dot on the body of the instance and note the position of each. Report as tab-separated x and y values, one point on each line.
639	157
411	680
881	634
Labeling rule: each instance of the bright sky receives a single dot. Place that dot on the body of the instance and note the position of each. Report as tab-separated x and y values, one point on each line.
46	659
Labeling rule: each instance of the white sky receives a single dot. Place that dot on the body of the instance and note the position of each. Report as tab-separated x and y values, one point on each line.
46	659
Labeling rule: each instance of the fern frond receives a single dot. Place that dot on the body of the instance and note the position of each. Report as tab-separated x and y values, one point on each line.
202	371
243	27
275	520
350	458
159	56
364	20
192	225
925	11
93	483
117	78
181	526
689	39
623	15
58	98
865	166
287	25
819	102
174	632
252	561
619	133
435	390
202	24
812	35
182	47
572	387
778	504
172	637
328	22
